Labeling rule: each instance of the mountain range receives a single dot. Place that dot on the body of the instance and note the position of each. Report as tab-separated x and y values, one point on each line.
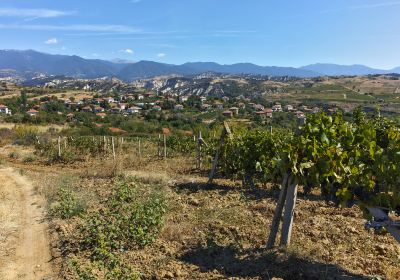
28	63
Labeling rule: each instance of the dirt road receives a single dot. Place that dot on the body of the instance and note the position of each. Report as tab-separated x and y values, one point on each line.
24	244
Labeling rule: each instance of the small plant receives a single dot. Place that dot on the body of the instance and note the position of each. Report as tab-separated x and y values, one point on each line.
13	155
127	222
29	159
129	219
67	205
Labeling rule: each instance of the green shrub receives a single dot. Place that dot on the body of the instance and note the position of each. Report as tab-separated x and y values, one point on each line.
13	155
67	205
25	135
29	158
128	221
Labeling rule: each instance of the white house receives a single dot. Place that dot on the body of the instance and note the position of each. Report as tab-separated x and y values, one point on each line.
277	108
289	108
178	107
183	98
133	110
32	112
4	110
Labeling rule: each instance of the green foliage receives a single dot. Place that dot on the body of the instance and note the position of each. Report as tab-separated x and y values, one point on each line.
29	159
13	155
349	161
129	219
25	135
181	144
127	222
67	205
251	153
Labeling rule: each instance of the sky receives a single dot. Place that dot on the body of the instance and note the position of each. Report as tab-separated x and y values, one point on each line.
265	32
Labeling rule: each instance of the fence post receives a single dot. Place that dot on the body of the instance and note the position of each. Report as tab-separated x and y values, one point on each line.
105	144
59	146
165	147
199	155
159	146
290	204
278	213
113	147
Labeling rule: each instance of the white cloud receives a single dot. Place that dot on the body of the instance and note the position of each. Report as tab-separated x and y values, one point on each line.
136	1
51	41
33	13
74	27
161	55
128	51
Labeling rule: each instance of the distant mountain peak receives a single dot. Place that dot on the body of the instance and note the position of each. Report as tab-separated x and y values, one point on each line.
26	62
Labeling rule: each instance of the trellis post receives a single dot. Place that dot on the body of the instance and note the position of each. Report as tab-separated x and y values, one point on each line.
226	131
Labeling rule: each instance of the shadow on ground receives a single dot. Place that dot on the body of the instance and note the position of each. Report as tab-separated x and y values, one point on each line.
262	264
252	193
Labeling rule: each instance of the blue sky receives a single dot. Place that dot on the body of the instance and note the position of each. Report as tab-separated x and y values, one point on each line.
265	32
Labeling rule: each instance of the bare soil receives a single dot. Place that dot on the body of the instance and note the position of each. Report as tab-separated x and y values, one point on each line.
24	242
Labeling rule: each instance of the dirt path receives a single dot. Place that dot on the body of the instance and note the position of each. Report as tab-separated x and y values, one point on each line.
24	245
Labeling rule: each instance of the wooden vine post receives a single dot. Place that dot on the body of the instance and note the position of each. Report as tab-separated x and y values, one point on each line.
59	146
200	144
286	205
165	147
226	131
113	147
159	146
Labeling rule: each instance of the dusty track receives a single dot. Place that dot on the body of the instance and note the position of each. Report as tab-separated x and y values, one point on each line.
24	244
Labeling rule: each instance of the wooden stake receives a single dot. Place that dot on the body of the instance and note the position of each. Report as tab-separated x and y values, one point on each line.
290	204
199	152
225	131
59	146
278	213
159	146
105	144
113	147
165	147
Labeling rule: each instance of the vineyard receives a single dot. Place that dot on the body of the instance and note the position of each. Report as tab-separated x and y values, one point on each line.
237	190
354	161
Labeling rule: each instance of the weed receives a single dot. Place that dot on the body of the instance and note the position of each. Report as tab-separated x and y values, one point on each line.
29	159
13	155
67	205
127	222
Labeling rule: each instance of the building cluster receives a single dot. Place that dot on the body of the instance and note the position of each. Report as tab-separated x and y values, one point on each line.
139	103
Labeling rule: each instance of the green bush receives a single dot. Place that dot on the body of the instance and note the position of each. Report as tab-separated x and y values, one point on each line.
128	221
67	205
29	158
13	155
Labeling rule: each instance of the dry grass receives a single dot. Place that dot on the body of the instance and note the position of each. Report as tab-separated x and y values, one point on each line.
327	243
